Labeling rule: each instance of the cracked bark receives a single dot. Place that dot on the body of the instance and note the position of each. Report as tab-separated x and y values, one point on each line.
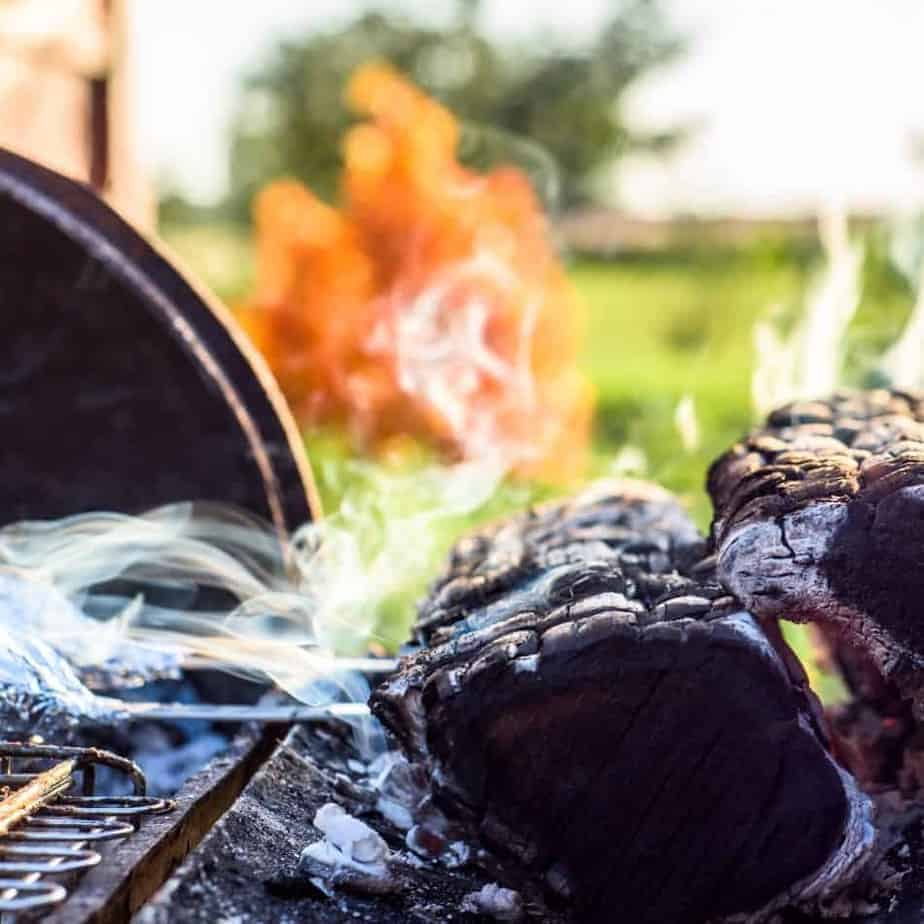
585	703
820	516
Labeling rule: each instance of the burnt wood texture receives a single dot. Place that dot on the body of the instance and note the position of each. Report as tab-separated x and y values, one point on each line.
820	516
121	386
623	729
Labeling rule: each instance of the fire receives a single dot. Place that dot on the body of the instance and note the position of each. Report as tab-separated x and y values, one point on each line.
430	303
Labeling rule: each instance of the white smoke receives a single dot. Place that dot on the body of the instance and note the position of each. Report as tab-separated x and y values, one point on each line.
687	423
903	364
808	360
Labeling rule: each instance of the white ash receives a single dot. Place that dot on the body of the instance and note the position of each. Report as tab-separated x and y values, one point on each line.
404	799
352	837
400	787
351	855
528	664
432	842
435	837
456	854
760	561
496	902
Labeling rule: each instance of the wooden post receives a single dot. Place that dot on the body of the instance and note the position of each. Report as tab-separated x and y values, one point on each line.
65	96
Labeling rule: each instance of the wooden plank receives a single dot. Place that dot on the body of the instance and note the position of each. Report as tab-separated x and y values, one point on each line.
132	870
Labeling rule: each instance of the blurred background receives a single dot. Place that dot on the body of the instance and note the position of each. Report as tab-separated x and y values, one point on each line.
729	192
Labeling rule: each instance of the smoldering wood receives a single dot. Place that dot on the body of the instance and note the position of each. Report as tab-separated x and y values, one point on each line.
820	516
624	731
874	733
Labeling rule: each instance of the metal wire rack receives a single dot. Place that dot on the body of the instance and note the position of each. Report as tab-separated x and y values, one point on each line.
51	821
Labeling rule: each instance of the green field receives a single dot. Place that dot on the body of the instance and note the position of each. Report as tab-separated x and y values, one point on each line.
660	328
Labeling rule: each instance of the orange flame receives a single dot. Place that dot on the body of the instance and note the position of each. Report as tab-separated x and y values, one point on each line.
432	303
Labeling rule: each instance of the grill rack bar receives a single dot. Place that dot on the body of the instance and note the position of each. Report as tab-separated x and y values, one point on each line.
58	835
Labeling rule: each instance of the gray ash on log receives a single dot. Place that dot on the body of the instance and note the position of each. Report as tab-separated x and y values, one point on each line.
820	516
638	524
626	731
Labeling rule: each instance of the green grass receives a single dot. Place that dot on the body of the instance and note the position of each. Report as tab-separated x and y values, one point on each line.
664	328
218	255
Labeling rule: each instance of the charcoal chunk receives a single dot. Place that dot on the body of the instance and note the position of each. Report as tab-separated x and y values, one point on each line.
832	529
625	731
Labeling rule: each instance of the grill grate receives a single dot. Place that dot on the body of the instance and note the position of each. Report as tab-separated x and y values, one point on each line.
51	821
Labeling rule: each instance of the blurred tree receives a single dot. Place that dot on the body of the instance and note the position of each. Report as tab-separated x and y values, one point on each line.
290	118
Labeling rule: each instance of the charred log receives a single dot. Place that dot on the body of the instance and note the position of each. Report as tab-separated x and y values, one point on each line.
874	733
628	733
820	516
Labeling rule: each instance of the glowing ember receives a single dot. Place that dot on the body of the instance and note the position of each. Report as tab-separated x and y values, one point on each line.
432	303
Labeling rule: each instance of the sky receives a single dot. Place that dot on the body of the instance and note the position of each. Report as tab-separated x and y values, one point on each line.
797	103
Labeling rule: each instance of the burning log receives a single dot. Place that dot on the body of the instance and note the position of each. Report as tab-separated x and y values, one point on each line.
625	731
820	516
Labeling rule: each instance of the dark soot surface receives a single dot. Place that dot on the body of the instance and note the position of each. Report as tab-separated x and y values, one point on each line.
876	563
105	402
684	790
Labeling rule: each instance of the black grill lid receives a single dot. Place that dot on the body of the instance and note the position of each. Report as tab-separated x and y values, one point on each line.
122	386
